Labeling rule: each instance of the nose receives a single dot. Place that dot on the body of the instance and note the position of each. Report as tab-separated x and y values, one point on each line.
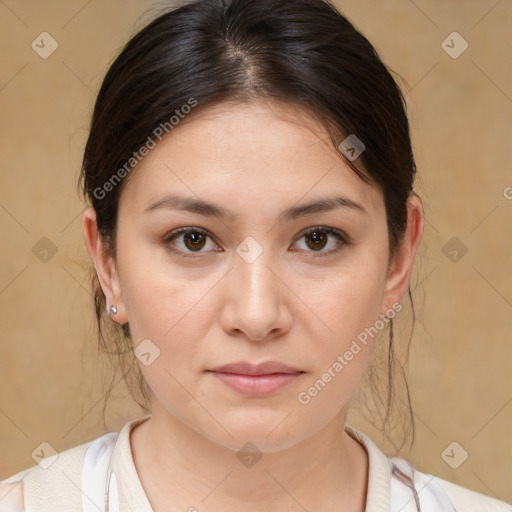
256	304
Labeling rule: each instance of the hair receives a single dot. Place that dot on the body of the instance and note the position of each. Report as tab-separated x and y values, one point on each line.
303	52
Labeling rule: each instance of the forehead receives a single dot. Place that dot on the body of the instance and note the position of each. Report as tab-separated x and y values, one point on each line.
246	154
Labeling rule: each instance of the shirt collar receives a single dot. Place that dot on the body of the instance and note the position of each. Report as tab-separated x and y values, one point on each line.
132	497
379	474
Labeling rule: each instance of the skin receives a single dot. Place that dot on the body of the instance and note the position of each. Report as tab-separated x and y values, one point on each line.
293	304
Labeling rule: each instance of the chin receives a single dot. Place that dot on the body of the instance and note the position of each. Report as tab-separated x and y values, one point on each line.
263	431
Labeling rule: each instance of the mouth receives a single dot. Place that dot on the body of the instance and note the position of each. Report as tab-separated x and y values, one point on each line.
256	380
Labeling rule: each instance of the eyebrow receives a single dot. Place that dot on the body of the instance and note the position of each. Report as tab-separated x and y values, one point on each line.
197	206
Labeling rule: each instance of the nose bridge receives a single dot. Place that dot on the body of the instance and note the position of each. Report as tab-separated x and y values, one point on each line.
253	272
256	300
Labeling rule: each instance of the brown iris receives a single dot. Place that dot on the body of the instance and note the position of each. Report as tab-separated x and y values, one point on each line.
319	239
197	240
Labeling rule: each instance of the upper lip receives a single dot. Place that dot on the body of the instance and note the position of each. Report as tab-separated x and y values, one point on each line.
246	368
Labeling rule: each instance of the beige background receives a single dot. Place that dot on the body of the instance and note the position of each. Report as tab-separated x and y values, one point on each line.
51	384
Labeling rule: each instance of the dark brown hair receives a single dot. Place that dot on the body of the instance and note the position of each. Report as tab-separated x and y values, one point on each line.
300	51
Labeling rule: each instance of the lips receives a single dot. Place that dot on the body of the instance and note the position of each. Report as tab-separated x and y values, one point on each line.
256	381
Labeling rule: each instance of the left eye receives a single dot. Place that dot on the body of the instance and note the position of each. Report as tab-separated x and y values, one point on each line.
317	238
195	239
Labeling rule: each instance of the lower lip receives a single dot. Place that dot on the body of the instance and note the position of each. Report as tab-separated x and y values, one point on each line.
257	385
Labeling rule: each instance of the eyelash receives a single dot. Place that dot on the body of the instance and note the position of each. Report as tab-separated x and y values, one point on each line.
342	238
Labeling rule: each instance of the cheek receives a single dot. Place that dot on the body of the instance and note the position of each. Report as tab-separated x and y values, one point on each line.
157	297
170	312
168	305
174	315
348	301
348	305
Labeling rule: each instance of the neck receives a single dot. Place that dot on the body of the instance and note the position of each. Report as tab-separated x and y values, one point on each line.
181	468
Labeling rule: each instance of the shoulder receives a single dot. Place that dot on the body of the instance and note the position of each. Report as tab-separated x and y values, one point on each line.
395	484
464	499
430	487
57	483
58	476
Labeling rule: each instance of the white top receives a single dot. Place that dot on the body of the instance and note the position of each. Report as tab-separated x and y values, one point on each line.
101	476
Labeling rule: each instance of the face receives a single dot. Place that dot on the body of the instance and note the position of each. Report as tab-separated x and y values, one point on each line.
259	279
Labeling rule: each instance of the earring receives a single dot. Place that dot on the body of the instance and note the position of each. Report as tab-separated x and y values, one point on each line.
113	310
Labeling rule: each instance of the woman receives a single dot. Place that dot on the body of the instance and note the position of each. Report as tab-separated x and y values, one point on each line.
253	226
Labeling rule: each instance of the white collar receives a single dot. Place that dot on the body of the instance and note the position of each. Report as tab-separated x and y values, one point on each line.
392	482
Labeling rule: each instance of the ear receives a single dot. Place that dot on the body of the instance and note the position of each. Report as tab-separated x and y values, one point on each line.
105	266
399	273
